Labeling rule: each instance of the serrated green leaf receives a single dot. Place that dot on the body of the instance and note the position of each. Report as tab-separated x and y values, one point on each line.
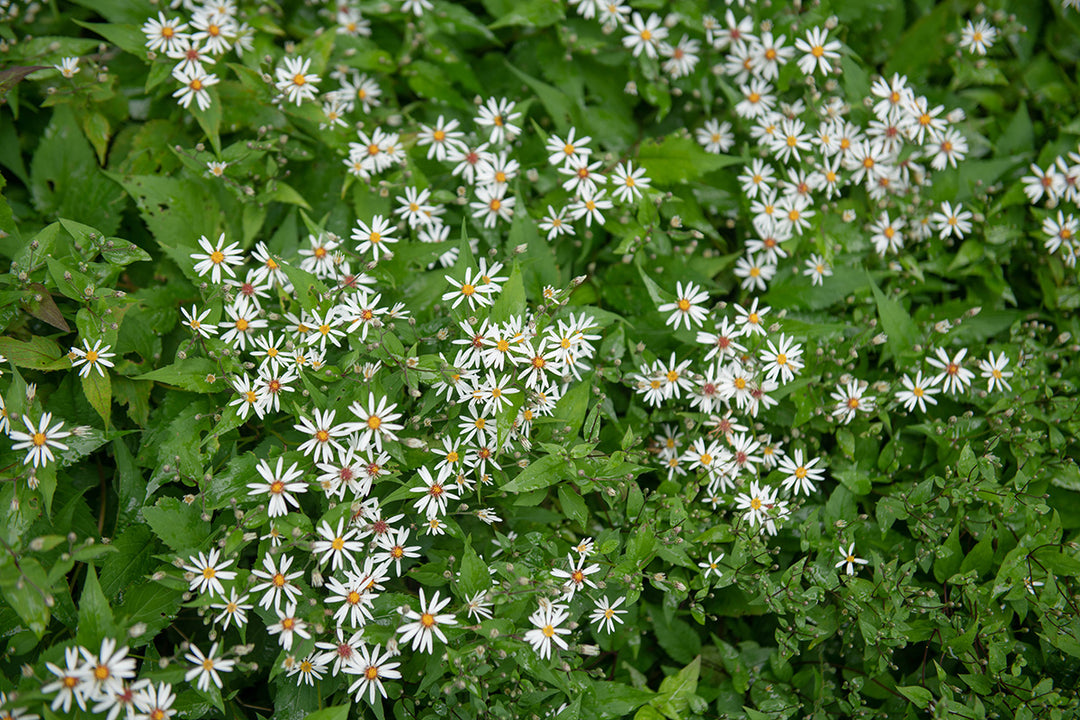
540	473
920	696
25	586
98	390
38	353
178	524
677	159
572	505
95	615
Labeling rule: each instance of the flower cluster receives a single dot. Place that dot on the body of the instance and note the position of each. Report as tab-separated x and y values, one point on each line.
1058	183
106	682
196	43
416	365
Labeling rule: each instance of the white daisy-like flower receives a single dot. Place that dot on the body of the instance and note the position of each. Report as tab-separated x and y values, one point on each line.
207	667
606	614
216	258
295	82
164	34
427	623
194	82
92	358
371	667
993	369
644	35
39	440
687	309
279	484
546	619
208	571
847	557
499	115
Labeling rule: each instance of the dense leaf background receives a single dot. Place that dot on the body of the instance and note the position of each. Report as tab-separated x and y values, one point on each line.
105	192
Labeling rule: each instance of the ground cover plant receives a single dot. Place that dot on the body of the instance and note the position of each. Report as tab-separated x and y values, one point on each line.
512	359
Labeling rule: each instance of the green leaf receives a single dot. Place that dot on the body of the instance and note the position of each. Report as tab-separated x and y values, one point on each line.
95	616
338	712
949	557
97	130
657	295
981	557
178	524
429	81
678	639
285	193
614	700
511	300
177	211
210	119
640	548
531	13
38	301
635	499
921	46
132	560
25	586
968	462
149	604
1019	136
121	252
98	390
555	101
66	181
673	700
38	353
572	407
117	11
678	159
541	473
189	374
920	696
572	505
307	286
474	572
902	331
